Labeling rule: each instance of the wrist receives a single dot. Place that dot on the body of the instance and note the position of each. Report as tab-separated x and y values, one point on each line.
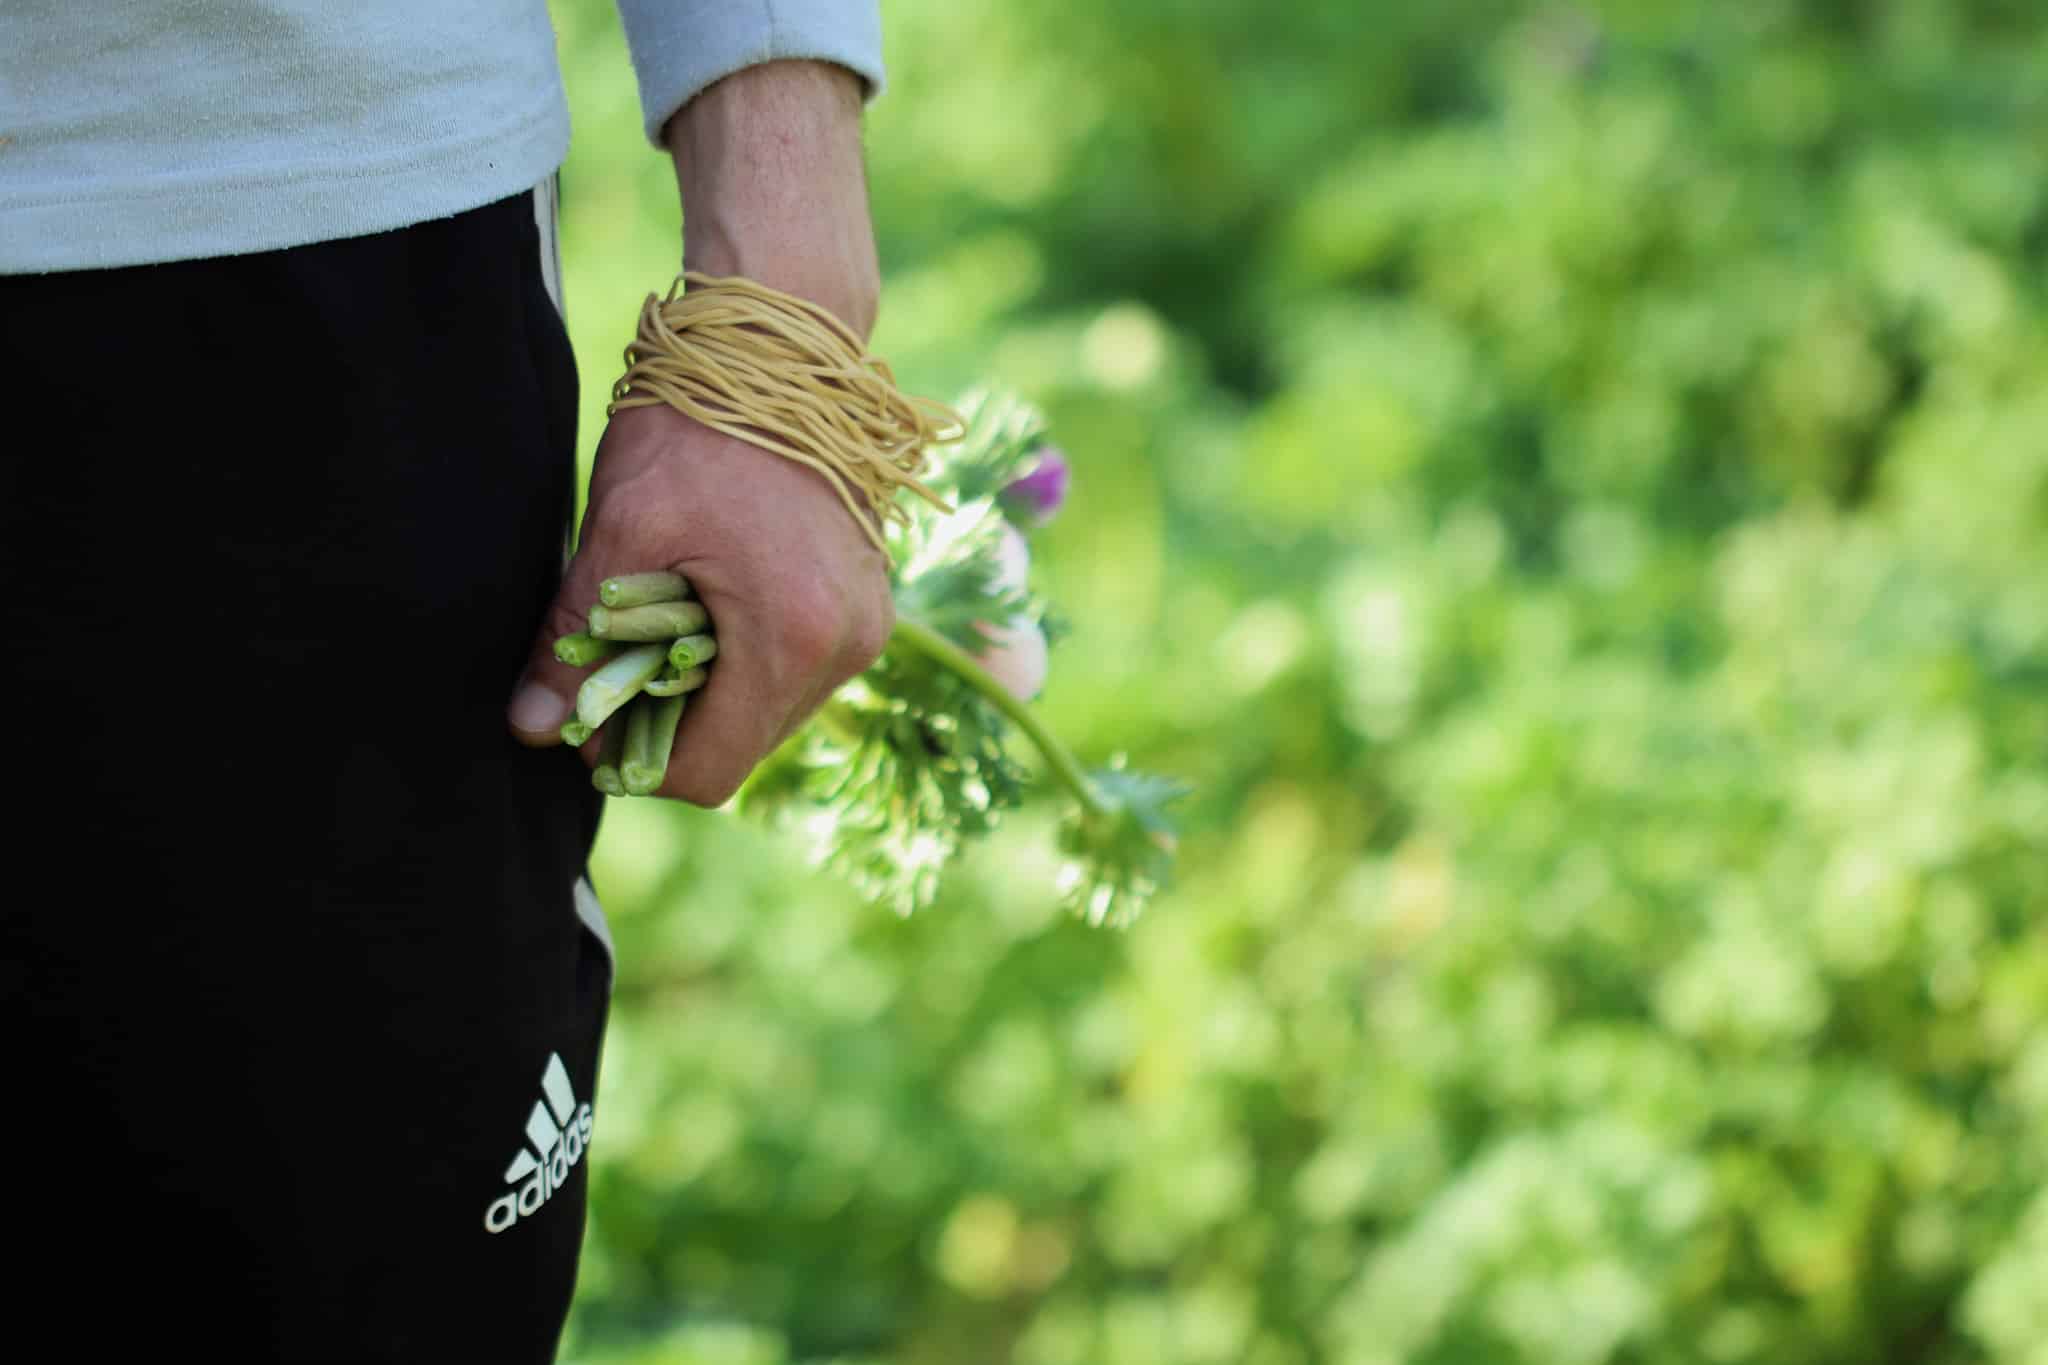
768	164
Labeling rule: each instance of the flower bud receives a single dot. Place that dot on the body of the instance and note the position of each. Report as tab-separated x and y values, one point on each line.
1033	499
1013	560
1015	656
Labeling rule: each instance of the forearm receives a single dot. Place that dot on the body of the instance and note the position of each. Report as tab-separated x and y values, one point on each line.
768	163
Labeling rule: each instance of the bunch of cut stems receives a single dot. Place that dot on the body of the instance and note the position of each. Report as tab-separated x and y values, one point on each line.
647	645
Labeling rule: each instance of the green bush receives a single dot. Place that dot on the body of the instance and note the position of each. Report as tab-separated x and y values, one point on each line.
1569	485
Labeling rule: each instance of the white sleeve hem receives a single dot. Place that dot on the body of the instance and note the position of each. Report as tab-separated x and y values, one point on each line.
681	46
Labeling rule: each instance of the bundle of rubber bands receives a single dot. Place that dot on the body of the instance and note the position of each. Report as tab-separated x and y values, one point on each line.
785	375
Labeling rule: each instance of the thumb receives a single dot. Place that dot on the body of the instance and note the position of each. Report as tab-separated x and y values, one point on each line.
545	695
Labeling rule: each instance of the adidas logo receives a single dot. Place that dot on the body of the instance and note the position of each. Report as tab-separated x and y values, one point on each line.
559	1132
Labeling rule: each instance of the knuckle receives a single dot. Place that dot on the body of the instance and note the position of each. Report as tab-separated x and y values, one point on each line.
813	625
870	635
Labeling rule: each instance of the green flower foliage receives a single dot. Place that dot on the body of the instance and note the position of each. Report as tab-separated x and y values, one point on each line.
1120	853
907	763
1566	484
901	770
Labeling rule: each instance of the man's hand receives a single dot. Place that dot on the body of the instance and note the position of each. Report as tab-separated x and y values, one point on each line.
768	163
798	596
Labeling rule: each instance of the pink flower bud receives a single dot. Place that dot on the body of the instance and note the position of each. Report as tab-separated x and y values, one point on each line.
1032	500
1013	560
1015	656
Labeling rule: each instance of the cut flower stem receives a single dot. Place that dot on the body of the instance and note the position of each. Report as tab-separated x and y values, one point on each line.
581	651
649	740
617	682
605	776
674	683
656	621
642	589
932	645
692	650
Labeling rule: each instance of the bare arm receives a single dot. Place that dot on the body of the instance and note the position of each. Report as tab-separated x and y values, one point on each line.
768	163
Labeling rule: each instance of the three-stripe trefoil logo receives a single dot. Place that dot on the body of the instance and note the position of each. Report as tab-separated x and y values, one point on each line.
558	1133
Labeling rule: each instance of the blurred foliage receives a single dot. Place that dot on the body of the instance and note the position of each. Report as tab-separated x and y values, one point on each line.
1570	486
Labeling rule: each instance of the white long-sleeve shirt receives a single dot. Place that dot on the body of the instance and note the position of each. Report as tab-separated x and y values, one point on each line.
137	131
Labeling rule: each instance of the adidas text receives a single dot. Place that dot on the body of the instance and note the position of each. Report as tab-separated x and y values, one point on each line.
557	1135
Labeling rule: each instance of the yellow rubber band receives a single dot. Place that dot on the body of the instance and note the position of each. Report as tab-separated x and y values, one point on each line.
783	374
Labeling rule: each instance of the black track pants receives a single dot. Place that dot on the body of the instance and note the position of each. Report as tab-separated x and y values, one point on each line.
303	996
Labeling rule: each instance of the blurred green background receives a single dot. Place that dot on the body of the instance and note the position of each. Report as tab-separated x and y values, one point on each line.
1570	485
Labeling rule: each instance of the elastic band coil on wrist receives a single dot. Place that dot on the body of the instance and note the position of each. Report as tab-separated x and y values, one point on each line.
782	373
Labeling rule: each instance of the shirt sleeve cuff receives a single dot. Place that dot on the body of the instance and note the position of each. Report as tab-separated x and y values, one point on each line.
681	46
